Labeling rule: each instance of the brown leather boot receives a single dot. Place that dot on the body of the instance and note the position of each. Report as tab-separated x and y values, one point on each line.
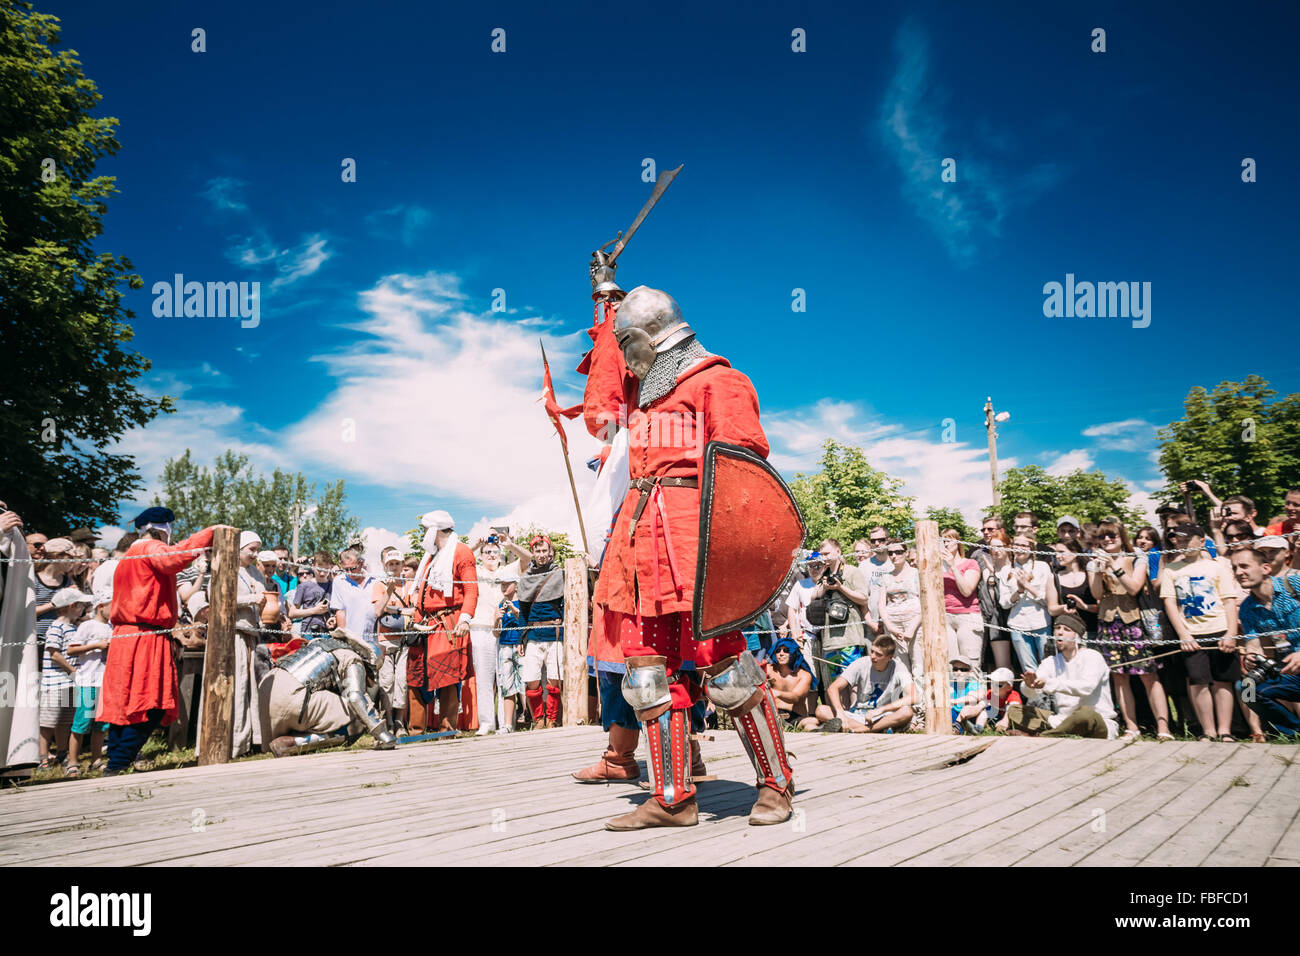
617	764
418	716
653	814
772	806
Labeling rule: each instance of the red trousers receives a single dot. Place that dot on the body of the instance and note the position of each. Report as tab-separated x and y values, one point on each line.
669	636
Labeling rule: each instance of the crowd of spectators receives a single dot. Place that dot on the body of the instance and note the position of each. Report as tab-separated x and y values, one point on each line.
1103	631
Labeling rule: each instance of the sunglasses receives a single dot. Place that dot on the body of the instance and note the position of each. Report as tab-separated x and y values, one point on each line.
897	553
1107	535
878	540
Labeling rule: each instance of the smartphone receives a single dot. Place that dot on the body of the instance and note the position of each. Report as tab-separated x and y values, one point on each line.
502	529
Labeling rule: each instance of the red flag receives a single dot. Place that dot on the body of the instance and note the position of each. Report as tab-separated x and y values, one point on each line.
553	409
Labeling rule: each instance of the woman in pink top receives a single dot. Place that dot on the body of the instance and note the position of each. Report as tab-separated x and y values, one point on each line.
961	578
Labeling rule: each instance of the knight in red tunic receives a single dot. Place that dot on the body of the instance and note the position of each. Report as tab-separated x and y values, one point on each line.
445	595
682	397
140	687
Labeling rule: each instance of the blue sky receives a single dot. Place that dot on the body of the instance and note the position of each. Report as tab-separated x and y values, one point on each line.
819	171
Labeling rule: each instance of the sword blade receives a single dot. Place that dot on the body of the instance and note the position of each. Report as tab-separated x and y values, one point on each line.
661	186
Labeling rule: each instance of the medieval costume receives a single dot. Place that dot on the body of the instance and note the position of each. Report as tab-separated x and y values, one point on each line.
140	688
324	690
683	398
20	660
541	608
444	594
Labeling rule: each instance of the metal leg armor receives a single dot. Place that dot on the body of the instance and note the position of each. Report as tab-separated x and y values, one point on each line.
738	686
645	687
353	687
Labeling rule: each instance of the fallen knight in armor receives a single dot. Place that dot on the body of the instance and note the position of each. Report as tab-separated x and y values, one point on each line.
675	589
321	693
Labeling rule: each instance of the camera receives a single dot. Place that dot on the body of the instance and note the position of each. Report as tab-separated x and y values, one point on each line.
493	539
1262	669
830	577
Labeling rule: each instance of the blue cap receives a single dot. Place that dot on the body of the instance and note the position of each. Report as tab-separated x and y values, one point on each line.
154	515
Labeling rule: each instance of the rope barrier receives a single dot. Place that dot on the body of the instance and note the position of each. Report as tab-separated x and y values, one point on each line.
78	560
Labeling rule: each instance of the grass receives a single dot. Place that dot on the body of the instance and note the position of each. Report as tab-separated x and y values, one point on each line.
1240	781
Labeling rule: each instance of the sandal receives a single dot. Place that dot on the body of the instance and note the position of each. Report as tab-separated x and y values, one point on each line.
47	763
1205	740
1227	739
1165	736
1128	735
98	764
71	770
1259	738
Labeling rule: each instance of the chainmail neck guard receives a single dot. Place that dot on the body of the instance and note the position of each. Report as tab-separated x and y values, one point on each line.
667	366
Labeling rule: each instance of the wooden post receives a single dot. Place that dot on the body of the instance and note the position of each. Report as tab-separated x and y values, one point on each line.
934	630
219	657
575	642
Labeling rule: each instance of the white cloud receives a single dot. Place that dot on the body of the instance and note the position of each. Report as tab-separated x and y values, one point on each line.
1069	462
225	194
108	536
374	541
936	473
301	261
1131	434
469	426
914	127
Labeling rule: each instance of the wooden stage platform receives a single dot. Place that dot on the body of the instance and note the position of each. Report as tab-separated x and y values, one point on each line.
862	800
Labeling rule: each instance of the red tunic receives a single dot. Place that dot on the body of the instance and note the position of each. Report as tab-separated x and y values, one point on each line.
712	402
140	673
434	663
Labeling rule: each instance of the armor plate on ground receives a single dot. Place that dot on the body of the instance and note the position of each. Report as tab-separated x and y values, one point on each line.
750	532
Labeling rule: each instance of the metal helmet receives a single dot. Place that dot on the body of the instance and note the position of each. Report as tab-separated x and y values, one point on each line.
647	323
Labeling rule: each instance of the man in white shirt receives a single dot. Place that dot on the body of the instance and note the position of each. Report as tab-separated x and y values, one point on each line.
351	598
1080	679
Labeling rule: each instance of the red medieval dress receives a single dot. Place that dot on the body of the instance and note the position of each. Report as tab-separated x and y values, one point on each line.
437	662
140	673
647	577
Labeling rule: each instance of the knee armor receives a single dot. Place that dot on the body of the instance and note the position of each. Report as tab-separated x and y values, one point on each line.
645	685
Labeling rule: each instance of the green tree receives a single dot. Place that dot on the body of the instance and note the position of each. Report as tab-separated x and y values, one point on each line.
848	498
62	321
1086	495
1238	440
232	493
952	518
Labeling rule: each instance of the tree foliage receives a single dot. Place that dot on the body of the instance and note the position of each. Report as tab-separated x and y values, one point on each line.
848	498
1086	495
71	387
231	493
952	518
1237	440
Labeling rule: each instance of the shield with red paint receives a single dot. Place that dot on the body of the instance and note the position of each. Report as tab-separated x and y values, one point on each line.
750	534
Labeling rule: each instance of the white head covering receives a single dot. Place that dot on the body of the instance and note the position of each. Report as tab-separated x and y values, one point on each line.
434	522
440	578
248	537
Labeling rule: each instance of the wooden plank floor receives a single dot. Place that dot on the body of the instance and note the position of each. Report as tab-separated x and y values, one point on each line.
862	800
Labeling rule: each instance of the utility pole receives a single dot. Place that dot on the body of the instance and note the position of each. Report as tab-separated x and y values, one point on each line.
298	516
991	424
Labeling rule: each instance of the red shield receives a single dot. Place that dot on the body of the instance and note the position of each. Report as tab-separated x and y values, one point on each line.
750	532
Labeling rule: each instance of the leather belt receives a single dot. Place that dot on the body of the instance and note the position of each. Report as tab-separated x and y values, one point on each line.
647	486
